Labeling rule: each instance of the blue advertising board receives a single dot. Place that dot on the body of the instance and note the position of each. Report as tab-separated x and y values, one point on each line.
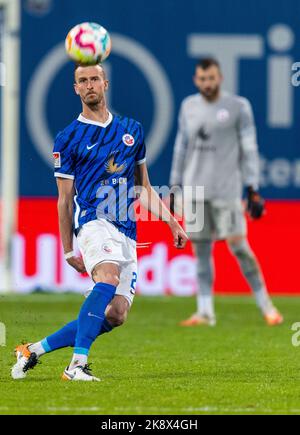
155	46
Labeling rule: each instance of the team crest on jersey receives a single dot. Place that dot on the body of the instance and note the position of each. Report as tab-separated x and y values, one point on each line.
57	161
223	115
112	167
128	140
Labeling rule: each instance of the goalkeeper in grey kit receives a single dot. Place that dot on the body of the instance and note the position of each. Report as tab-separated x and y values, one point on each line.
216	148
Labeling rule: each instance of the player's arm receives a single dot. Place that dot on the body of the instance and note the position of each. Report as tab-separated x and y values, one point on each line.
66	193
179	154
152	202
250	159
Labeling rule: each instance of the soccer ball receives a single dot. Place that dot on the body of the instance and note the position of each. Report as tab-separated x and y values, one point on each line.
88	43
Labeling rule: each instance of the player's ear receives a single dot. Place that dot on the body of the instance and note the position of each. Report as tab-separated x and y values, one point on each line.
106	85
76	88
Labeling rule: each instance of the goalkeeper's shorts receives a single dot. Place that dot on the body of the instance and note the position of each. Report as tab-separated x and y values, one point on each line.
221	219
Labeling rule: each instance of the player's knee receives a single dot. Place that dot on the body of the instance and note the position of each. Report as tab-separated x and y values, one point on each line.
111	279
117	311
241	249
116	317
106	275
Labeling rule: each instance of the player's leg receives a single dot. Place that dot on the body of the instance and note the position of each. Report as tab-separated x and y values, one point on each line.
65	336
91	317
91	237
202	246
108	275
250	268
118	311
115	315
28	354
205	314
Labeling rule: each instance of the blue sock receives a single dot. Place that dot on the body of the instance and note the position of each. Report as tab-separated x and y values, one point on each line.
92	315
66	336
106	327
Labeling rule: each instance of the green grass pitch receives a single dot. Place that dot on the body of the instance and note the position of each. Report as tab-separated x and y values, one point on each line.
153	366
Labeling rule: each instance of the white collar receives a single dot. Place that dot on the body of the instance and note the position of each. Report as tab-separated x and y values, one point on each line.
81	118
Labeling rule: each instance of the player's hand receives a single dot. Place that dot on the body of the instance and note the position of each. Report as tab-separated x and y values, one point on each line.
180	237
255	204
77	263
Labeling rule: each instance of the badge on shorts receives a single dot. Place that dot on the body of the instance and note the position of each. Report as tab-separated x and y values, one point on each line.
106	248
57	161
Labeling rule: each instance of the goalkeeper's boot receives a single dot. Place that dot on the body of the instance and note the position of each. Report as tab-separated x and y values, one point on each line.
198	320
273	317
26	360
79	373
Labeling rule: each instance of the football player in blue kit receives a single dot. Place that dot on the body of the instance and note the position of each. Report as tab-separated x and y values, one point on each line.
98	160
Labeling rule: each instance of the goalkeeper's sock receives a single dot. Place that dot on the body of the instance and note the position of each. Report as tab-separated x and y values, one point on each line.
205	305
91	318
252	273
263	300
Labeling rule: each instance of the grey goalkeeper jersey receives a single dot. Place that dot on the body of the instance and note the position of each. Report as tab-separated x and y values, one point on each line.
216	146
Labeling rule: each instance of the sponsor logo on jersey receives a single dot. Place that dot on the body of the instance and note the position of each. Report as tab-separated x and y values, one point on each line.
89	147
57	160
112	167
203	134
128	140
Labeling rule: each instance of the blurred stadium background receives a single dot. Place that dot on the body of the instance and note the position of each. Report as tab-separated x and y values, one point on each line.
155	45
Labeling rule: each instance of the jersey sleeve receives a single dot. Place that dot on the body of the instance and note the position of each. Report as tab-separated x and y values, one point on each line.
248	144
140	157
64	165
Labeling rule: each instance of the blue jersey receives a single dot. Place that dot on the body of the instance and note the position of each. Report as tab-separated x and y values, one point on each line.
101	159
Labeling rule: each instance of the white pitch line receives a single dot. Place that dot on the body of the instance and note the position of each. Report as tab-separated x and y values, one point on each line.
162	411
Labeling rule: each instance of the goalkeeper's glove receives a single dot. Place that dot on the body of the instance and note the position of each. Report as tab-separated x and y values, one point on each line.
255	204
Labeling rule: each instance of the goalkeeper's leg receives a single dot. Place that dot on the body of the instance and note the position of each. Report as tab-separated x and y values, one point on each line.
205	306
248	263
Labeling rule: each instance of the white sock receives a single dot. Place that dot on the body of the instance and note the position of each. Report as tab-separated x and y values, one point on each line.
205	305
78	360
263	301
37	348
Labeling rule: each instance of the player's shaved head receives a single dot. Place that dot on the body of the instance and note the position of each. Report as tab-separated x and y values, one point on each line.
80	68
